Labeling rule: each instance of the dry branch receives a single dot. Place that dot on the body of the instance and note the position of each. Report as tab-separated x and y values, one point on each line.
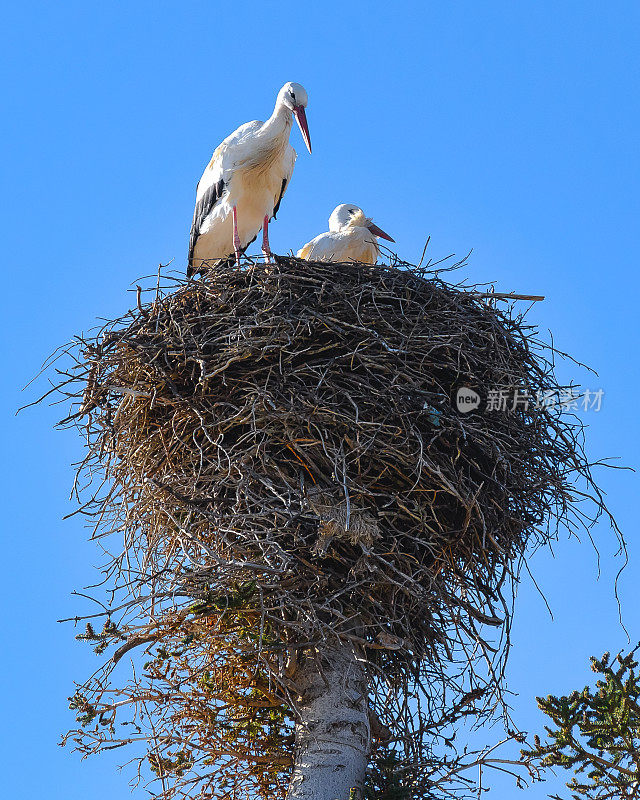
280	451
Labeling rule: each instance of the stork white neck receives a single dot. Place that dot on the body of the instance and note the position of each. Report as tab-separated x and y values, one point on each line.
280	122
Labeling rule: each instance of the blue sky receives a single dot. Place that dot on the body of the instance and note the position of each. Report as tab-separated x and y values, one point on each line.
509	128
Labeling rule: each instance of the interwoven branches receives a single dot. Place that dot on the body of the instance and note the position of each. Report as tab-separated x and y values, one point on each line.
280	450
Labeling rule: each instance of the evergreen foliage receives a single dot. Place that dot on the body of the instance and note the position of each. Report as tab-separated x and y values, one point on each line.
596	732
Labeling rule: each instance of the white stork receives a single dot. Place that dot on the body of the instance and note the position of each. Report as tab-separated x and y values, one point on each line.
351	237
243	184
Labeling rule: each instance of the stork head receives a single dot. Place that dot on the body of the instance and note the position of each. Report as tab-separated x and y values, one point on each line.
294	97
349	215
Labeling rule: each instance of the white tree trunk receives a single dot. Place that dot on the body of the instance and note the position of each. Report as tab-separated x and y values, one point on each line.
333	737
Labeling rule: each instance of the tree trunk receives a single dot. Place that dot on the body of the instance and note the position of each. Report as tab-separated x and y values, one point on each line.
333	736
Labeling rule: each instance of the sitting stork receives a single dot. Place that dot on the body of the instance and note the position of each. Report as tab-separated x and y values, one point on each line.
351	237
243	184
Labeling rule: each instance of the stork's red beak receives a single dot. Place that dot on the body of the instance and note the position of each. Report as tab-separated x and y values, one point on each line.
376	231
301	119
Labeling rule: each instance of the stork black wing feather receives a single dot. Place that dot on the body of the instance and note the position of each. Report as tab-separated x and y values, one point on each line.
276	208
202	210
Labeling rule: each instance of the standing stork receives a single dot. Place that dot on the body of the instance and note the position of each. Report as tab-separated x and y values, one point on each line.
351	237
243	184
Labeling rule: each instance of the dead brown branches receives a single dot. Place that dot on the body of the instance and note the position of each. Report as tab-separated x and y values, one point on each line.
281	451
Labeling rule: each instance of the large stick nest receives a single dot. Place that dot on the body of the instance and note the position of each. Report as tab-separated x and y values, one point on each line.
297	421
289	432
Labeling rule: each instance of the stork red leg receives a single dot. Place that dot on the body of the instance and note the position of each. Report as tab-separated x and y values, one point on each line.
265	239
236	238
